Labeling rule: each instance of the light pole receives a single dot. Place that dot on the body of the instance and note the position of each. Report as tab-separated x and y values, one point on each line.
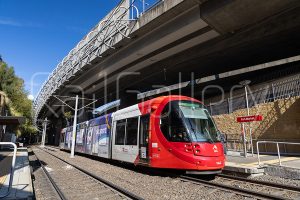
44	123
76	109
74	127
245	83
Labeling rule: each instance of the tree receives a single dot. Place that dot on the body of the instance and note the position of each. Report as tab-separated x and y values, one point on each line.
19	104
68	116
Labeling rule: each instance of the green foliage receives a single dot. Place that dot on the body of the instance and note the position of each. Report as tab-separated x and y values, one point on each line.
19	104
68	115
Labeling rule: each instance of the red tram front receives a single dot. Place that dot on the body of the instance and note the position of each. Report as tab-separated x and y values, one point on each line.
182	135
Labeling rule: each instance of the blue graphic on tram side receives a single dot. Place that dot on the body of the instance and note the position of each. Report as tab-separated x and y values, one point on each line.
104	135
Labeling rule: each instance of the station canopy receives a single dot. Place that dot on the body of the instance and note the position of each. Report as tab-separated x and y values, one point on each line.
11	120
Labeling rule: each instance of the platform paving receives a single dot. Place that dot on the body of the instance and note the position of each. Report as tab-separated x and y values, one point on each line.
22	183
236	162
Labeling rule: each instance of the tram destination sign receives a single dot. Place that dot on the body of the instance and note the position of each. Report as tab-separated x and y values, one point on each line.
250	118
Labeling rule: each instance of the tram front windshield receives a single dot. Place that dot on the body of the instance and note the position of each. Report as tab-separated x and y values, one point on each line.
187	121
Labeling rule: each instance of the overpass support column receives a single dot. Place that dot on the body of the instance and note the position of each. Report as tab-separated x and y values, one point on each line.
44	132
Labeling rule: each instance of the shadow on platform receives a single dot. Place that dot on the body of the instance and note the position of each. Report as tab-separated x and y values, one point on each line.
22	184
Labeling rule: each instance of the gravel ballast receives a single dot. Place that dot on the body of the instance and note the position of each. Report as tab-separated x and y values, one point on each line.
147	186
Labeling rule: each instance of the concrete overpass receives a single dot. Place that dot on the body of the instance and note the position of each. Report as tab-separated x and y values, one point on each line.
132	51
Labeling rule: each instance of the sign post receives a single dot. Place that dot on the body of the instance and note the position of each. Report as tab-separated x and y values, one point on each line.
242	120
244	139
245	83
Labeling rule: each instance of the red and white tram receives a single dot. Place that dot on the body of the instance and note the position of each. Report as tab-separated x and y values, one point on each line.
174	132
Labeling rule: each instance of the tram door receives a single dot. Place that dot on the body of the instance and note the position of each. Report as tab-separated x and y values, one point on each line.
144	139
125	142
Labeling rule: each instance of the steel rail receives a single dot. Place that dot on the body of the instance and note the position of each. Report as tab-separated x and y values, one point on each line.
232	188
265	183
270	184
108	183
56	188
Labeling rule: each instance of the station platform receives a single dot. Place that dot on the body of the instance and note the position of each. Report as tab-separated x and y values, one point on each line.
22	184
236	162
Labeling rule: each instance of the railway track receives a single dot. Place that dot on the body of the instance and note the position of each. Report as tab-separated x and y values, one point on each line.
248	187
243	186
72	182
43	186
266	183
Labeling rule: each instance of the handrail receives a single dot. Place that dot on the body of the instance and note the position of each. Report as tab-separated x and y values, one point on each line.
277	145
12	167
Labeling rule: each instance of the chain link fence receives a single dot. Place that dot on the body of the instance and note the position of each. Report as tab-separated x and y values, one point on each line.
269	93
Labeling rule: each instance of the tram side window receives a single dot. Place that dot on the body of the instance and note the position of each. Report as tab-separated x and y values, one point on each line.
120	132
172	125
131	131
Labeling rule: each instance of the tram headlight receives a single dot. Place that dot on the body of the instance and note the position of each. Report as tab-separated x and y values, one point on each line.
188	147
196	149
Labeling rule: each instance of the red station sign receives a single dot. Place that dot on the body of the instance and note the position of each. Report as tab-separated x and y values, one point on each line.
250	118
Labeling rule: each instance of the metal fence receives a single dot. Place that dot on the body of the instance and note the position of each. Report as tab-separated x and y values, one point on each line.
145	5
236	144
277	148
269	93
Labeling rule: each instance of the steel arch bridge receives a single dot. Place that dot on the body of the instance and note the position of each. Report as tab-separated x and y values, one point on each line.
114	27
177	35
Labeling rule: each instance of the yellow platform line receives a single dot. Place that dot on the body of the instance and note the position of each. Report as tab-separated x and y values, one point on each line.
282	160
2	180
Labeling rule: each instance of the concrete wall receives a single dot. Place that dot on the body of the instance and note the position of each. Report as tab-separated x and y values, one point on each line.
281	122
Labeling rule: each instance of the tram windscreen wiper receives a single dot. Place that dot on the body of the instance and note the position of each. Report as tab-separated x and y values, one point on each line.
191	125
209	138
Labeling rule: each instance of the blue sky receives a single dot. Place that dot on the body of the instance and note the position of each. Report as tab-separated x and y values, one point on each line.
35	35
